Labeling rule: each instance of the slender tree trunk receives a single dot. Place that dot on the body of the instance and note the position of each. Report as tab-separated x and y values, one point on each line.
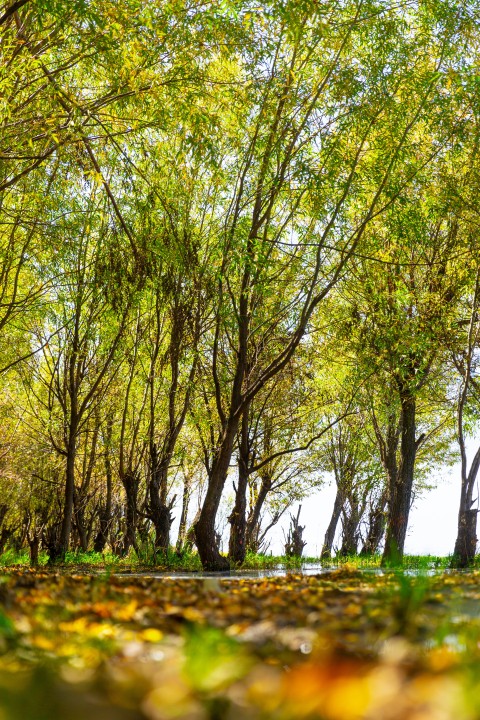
401	487
332	525
238	517
130	482
190	540
466	542
205	536
101	538
253	521
3	512
182	529
79	518
60	548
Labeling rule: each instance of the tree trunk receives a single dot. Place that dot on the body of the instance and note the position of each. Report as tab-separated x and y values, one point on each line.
60	548
205	536
158	510
332	526
376	528
238	517
34	544
130	482
182	529
466	542
295	544
79	518
254	517
162	521
401	488
350	533
5	536
190	540
101	538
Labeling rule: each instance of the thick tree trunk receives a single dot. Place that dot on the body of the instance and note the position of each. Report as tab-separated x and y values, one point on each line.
159	512
332	526
401	487
162	521
376	528
34	544
205	535
466	542
238	517
130	482
350	533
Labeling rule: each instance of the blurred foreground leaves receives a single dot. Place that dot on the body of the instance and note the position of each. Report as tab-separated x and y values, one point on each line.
341	646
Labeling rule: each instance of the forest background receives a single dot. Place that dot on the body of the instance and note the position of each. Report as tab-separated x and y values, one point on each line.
238	244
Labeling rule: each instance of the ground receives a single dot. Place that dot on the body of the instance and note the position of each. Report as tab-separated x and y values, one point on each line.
345	644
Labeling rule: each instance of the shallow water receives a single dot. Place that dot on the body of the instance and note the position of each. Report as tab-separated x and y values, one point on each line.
280	571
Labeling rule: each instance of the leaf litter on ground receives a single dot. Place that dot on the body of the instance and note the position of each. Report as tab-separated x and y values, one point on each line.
343	645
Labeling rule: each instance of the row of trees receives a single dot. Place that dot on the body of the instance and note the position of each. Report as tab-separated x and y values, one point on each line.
235	241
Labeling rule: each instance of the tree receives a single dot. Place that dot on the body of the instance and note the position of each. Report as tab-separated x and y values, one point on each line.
299	212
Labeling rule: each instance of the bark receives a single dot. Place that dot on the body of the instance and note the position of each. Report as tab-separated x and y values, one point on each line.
401	486
295	544
159	508
59	548
51	538
332	525
466	542
101	538
79	517
253	521
376	528
238	517
158	511
162	521
130	482
190	535
205	536
5	535
34	544
3	512
350	533
182	529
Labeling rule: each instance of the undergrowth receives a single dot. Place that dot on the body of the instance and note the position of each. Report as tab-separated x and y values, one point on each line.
190	562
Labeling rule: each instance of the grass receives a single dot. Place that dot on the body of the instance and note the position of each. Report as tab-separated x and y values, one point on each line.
190	562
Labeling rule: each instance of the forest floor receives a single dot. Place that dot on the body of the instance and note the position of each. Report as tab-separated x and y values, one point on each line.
343	645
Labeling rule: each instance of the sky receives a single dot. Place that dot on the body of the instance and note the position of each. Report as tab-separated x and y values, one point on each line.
432	523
